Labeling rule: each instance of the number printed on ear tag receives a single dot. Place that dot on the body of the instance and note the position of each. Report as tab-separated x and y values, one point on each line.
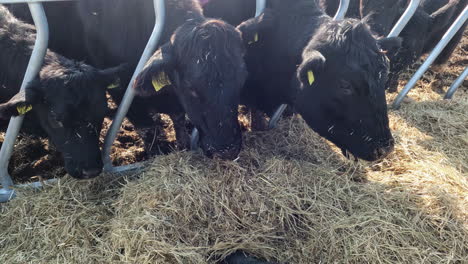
23	109
160	81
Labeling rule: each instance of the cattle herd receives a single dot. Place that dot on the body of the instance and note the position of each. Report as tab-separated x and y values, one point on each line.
213	56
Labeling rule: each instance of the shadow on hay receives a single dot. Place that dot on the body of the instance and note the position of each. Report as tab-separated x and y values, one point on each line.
445	124
290	198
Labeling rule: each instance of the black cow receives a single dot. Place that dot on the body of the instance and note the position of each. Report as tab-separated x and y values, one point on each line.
338	87
67	98
66	30
199	65
425	29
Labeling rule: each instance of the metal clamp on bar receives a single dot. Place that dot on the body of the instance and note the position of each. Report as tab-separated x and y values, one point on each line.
457	83
433	56
342	10
340	14
404	19
260	7
34	66
159	9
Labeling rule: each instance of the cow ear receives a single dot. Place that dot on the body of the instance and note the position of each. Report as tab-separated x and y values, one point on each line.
110	76
253	28
21	103
389	44
154	75
442	17
311	67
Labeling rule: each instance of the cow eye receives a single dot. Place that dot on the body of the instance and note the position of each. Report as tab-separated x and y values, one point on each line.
346	88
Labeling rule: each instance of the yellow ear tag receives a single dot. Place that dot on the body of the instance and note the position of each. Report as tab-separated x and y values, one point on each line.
112	86
160	81
311	77
255	39
22	110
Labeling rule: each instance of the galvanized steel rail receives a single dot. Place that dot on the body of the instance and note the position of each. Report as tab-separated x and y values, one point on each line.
159	9
457	83
34	66
461	19
404	19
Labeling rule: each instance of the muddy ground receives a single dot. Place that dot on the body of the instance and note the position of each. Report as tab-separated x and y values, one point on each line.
34	158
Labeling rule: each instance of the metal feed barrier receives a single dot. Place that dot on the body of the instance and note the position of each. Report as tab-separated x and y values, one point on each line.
461	19
40	48
34	66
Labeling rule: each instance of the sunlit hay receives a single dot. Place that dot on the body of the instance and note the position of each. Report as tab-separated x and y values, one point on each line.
63	223
291	197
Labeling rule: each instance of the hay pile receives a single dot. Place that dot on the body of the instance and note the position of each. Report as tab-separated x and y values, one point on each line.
290	198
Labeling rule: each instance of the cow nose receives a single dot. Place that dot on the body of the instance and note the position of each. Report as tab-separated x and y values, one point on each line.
382	152
91	173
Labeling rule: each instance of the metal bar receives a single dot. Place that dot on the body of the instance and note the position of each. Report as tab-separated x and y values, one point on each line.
159	8
34	66
457	83
404	19
433	56
342	9
276	116
194	139
8	194
260	6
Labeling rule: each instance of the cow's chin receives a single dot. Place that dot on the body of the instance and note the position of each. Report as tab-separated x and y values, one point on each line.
227	152
369	154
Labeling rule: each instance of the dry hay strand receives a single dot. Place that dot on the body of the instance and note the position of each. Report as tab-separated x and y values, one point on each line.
290	198
62	223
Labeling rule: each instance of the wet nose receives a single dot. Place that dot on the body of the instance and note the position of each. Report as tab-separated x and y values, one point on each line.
91	173
382	152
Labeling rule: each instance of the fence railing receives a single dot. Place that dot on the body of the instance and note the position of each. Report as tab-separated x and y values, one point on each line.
457	24
7	191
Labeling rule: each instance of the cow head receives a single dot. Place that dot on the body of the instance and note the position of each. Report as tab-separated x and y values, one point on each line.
341	88
204	65
69	101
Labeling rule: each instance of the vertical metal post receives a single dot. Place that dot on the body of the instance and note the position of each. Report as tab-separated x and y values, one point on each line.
260	6
34	66
433	56
340	14
404	19
457	83
342	9
159	8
